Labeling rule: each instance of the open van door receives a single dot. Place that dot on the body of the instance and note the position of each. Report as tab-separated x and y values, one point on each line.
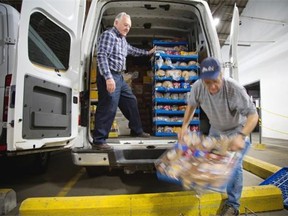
233	67
44	95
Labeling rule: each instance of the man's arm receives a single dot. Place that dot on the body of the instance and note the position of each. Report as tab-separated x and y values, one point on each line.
104	49
238	142
251	123
189	113
134	51
151	51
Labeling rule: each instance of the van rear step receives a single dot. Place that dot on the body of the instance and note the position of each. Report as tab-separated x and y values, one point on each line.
117	157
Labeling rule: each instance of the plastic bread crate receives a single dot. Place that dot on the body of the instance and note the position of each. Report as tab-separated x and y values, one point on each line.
168	179
280	180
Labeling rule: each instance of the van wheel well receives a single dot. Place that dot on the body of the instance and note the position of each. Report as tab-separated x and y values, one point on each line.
93	171
40	162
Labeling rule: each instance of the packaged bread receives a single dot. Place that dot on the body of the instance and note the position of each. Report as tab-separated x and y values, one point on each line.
158	84
160	73
200	163
192	63
183	64
167	84
185	74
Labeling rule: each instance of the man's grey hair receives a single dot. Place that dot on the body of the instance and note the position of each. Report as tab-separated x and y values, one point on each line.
120	15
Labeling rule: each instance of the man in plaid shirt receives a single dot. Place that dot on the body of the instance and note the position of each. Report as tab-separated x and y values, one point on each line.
113	91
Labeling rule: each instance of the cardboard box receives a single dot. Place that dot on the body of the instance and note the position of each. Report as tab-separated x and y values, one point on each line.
94	95
147	79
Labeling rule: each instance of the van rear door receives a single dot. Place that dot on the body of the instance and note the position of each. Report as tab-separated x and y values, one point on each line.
44	96
233	70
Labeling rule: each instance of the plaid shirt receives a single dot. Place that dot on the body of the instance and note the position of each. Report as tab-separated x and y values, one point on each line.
112	50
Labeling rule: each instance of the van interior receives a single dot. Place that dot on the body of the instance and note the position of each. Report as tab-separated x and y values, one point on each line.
151	21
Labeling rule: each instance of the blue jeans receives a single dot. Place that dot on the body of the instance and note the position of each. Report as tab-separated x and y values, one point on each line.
235	185
123	98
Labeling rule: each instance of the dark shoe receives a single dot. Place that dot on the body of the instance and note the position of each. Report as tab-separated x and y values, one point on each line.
143	134
229	210
103	146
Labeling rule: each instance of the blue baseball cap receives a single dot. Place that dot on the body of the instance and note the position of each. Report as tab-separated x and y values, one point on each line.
210	68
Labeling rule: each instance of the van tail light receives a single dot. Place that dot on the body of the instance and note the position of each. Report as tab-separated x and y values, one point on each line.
8	79
79	116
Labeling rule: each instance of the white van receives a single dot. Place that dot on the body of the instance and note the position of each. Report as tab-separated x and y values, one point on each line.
46	61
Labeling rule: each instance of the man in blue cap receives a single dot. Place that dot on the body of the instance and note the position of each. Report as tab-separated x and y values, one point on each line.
230	111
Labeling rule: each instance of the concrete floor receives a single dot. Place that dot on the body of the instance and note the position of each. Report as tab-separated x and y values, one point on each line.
276	150
272	151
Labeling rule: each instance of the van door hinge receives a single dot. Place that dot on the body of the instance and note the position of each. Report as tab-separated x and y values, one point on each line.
10	41
12	123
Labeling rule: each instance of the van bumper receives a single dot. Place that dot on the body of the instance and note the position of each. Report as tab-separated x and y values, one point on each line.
118	157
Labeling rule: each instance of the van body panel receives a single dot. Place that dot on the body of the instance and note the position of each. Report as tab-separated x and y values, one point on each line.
9	19
46	95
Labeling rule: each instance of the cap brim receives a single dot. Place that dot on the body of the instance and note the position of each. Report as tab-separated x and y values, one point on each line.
209	75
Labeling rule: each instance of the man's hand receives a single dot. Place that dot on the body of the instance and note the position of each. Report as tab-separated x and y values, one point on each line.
181	135
153	50
110	84
237	143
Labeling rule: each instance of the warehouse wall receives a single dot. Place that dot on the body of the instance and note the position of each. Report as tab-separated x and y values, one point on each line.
264	28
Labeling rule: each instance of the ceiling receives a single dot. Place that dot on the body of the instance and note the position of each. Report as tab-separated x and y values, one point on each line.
161	23
222	9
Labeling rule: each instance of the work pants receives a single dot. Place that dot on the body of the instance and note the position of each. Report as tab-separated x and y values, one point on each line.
123	98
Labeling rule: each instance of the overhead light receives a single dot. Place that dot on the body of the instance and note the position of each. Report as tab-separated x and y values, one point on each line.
216	21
